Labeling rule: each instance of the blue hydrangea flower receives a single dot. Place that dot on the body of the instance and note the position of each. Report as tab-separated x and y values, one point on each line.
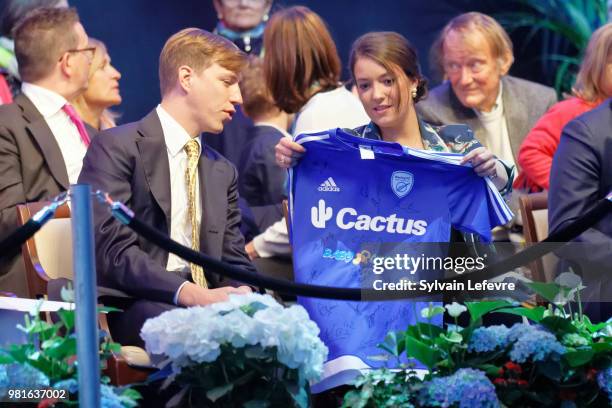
71	385
604	379
195	335
21	376
519	330
109	397
485	339
467	387
537	345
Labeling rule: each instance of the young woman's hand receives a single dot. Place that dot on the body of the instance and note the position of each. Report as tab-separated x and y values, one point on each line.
288	152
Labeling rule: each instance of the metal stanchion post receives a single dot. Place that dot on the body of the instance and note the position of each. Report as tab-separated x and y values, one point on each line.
85	283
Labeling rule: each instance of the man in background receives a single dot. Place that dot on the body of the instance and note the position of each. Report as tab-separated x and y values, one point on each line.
42	139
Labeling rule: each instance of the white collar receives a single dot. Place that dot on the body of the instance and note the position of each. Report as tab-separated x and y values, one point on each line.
175	135
272	125
46	101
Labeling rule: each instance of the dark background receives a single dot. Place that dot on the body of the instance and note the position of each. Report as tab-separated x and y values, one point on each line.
135	31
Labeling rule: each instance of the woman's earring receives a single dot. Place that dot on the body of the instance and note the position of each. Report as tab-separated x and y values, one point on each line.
265	17
413	93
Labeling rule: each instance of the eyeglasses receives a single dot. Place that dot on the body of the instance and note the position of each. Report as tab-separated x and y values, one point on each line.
234	3
89	51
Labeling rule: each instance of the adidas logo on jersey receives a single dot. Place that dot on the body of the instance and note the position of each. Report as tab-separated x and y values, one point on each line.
329	185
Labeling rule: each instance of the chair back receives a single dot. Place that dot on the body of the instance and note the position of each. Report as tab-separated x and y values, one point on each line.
48	254
534	211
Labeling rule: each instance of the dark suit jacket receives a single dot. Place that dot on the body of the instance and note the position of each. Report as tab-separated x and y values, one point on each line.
31	169
232	141
580	176
130	162
524	103
261	181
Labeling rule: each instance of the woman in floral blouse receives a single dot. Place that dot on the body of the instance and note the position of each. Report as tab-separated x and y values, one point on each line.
389	83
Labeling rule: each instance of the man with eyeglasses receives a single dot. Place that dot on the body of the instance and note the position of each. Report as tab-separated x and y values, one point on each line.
42	139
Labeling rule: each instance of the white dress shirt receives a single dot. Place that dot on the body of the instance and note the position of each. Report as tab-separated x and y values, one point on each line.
66	134
176	137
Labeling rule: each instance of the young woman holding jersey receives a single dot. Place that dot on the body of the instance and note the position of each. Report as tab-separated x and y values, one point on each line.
389	83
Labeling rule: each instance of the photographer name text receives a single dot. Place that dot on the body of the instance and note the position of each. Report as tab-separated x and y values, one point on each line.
431	286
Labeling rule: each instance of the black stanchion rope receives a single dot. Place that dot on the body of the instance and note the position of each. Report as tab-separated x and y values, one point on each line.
126	216
551	243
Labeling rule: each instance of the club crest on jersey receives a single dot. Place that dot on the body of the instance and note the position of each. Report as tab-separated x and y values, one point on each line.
401	183
329	185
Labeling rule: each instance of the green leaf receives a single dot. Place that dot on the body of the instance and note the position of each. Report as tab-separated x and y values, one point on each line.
601	347
535	314
253	308
67	317
558	325
431	311
419	350
113	347
490	369
453	337
131	394
547	290
479	309
219	392
579	357
596	327
65	348
108	309
390	344
6	359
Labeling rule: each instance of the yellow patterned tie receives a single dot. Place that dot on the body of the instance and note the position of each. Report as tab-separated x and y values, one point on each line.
193	155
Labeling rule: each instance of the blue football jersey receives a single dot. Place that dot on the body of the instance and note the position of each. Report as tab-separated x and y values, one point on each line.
349	195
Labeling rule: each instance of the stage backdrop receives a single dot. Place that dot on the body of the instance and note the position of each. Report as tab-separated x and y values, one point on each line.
135	31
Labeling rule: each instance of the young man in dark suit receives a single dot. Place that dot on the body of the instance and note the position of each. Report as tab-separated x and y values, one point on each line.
42	143
161	169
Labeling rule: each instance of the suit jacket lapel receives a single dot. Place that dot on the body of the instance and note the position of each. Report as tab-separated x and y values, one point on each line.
153	153
208	173
40	131
516	114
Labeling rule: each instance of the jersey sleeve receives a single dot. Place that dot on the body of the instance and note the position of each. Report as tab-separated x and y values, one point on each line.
475	204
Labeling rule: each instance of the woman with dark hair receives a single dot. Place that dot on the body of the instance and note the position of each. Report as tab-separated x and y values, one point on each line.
12	12
302	71
386	72
388	80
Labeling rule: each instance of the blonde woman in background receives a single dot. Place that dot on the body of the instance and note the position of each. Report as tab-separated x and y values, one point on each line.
593	85
102	92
